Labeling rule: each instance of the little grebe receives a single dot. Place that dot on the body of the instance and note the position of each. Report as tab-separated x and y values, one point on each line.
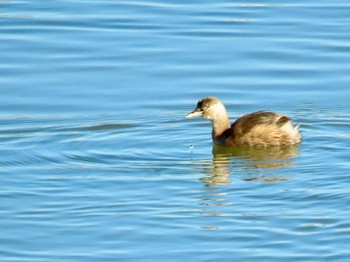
262	128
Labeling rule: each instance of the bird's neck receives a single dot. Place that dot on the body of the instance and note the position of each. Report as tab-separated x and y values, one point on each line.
220	124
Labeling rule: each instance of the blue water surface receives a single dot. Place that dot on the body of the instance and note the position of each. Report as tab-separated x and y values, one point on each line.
98	163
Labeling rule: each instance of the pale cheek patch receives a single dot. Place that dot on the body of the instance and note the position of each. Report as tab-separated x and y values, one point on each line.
215	112
290	129
219	110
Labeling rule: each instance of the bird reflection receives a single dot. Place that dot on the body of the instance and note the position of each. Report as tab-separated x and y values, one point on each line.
256	164
219	169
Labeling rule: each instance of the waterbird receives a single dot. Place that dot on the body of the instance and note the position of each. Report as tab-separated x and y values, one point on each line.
258	129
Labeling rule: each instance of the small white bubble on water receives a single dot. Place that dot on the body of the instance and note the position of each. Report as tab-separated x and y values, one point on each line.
191	148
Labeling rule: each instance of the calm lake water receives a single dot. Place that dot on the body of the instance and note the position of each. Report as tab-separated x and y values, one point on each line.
98	162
